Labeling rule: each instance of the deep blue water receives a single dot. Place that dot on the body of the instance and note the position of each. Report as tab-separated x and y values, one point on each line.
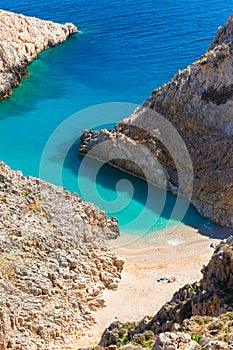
124	50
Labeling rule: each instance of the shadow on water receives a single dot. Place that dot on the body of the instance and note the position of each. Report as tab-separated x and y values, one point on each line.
161	204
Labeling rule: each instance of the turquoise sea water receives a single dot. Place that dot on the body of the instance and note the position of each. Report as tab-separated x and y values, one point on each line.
124	50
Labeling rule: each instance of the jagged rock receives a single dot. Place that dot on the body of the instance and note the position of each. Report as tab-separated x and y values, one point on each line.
172	341
22	38
215	345
198	104
54	263
119	333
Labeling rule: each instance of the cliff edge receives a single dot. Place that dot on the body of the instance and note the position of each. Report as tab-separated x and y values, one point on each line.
198	104
22	38
54	263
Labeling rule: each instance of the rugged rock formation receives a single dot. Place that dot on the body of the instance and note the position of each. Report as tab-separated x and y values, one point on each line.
54	264
204	310
21	40
198	104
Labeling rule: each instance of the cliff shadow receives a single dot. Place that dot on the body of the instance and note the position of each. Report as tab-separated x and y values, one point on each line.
162	204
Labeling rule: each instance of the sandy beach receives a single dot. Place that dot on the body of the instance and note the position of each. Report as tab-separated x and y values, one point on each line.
147	260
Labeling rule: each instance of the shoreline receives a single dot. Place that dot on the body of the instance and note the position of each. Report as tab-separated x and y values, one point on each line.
20	49
139	293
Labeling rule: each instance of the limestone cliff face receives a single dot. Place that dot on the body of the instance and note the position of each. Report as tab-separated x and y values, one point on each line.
54	263
198	103
21	40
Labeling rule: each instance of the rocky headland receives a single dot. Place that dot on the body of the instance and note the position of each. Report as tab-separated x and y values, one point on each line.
54	263
22	38
198	104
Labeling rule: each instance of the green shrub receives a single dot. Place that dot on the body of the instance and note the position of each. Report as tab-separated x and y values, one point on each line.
197	338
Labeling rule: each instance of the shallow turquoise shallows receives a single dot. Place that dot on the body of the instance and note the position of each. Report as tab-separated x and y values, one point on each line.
125	49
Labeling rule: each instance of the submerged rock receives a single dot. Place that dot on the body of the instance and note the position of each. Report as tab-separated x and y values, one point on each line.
181	138
22	38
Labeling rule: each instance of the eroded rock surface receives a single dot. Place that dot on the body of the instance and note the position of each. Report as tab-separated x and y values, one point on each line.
54	264
198	103
22	38
172	341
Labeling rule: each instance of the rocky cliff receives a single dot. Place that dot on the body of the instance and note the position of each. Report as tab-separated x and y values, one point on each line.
54	264
21	40
199	316
183	132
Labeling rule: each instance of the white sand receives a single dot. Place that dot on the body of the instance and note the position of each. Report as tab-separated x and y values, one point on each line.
139	294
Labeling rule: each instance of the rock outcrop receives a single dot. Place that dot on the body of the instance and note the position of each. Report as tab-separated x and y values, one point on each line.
172	341
54	263
199	316
198	105
21	40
